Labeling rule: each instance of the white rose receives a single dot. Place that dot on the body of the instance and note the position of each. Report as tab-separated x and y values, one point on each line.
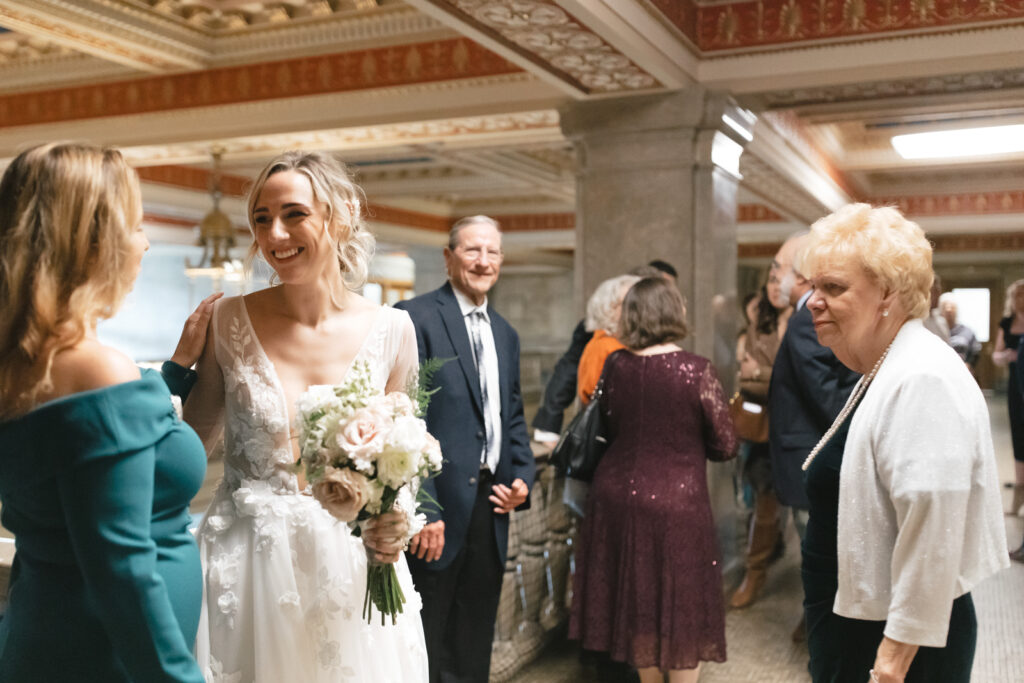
433	454
408	434
396	468
317	397
399	404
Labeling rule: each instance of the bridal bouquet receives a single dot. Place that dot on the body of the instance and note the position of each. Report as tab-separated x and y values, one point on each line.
365	452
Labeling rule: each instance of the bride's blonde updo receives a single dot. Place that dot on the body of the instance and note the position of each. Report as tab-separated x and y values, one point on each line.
67	212
343	201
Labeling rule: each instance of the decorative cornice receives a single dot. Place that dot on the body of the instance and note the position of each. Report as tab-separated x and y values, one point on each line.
390	25
959	84
556	41
961	204
768	184
752	250
112	31
411	219
756	213
535	124
193	178
348	71
527	222
986	242
791	127
742	25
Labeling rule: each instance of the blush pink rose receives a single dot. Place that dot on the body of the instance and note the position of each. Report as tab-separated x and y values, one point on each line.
363	434
342	492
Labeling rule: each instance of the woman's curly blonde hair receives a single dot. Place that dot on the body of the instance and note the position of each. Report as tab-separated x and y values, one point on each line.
67	212
891	249
343	201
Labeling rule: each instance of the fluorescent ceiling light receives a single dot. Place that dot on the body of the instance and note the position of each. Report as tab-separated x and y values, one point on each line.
966	142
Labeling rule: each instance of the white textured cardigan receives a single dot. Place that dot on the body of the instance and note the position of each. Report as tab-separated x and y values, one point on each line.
920	515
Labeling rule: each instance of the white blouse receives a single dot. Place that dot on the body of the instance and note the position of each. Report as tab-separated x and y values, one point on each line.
920	514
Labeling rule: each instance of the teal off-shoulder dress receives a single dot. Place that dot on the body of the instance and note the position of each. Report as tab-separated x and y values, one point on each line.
106	583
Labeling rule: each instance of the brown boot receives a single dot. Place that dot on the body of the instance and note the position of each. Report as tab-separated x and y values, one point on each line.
1018	500
764	531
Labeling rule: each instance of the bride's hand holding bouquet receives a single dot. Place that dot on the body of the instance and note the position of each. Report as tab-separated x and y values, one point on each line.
365	453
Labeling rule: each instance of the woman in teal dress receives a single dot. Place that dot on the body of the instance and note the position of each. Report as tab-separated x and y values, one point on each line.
96	467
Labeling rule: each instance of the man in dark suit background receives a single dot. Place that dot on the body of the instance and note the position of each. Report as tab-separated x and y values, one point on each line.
458	559
809	386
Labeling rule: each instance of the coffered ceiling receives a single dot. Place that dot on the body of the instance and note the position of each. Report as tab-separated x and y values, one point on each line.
450	107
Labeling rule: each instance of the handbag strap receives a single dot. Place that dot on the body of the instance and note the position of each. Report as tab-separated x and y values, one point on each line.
599	389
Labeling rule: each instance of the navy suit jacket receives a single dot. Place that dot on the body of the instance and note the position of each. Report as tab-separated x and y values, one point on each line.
455	416
809	387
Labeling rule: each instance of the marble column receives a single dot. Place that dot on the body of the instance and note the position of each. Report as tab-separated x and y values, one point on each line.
657	178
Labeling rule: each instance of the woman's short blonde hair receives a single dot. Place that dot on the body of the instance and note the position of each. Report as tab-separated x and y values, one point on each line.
343	202
605	303
1011	292
891	249
67	213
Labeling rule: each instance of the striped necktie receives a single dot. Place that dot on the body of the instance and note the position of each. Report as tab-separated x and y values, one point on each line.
477	320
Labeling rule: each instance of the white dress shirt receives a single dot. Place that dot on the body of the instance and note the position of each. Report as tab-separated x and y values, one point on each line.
490	367
920	514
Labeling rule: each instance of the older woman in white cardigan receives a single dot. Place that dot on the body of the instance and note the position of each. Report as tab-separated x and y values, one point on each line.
905	515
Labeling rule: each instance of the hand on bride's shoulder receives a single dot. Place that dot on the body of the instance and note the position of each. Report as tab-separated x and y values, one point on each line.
90	365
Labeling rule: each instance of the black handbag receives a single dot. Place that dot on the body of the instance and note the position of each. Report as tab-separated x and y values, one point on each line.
582	444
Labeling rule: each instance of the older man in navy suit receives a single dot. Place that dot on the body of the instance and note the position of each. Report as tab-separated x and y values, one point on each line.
458	560
808	389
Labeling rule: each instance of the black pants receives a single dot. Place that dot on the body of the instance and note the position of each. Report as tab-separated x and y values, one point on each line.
460	602
843	650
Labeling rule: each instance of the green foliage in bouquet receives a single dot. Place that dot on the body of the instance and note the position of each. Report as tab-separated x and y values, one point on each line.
419	385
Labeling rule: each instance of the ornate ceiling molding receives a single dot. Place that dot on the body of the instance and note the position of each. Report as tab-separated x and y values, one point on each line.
730	25
777	191
959	204
385	26
109	30
212	16
63	69
467	131
540	34
348	71
875	91
756	213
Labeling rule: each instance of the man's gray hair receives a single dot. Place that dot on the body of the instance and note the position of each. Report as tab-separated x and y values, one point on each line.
457	226
799	253
606	301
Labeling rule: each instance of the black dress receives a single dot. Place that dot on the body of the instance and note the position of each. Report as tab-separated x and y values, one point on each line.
843	650
1014	399
648	583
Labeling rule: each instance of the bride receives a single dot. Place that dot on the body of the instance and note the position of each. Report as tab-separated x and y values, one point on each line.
283	580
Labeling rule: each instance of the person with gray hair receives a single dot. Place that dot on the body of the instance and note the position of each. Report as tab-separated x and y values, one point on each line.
961	338
905	514
603	311
808	388
458	559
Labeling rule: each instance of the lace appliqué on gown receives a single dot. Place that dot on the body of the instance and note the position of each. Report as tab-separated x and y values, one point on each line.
284	581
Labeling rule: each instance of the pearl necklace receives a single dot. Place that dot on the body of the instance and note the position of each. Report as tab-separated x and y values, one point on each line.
851	403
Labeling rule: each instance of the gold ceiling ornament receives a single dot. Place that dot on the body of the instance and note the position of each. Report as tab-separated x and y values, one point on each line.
216	236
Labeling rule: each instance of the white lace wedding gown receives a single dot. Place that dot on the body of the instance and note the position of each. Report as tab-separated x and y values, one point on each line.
283	580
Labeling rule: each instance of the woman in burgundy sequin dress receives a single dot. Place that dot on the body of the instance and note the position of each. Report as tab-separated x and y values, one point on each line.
648	584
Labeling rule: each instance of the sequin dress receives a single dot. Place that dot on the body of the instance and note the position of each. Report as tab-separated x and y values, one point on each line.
843	650
648	583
